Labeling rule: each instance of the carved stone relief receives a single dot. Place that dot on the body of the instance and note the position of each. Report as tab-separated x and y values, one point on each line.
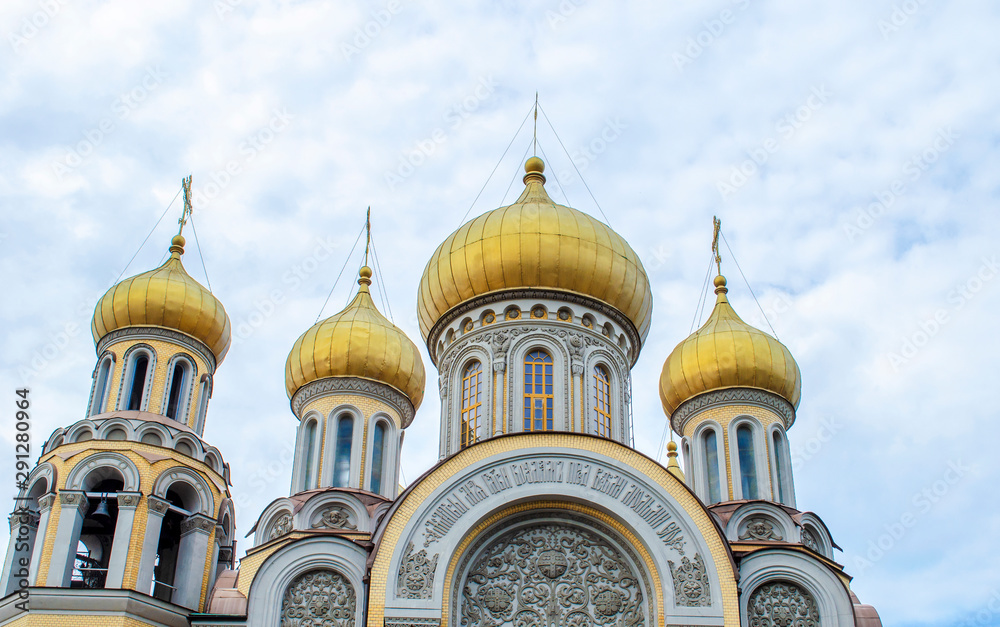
416	574
281	526
319	598
334	517
551	574
412	622
760	529
691	585
782	604
809	540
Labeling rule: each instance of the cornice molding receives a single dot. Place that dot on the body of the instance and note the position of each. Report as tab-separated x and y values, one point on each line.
731	396
353	385
159	333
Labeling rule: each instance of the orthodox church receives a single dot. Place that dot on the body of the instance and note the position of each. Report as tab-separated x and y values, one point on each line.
540	511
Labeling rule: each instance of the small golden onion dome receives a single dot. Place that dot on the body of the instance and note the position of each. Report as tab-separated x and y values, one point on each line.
165	297
725	353
534	243
357	342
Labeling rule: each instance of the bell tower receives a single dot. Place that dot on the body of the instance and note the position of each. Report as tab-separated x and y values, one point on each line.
130	499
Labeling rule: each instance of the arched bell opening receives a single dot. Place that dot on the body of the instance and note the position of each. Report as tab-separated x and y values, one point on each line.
183	500
93	549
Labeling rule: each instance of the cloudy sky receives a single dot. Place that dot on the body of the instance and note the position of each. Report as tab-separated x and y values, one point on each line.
849	148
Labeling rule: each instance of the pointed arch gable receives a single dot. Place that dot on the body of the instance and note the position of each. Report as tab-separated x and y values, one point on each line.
477	488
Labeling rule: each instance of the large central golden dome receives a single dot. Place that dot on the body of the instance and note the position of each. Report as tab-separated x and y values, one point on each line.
165	297
535	243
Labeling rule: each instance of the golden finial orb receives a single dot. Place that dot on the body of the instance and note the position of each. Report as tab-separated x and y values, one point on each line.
534	164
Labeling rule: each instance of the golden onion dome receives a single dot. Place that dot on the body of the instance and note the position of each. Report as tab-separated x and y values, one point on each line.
165	297
535	243
726	353
357	342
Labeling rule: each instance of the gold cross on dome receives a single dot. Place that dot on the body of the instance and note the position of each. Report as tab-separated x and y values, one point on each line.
717	224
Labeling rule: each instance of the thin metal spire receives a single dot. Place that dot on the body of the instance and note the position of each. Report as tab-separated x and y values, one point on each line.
534	138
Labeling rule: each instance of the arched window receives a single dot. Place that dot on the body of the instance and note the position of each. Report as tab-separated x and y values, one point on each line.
472	404
179	379
137	382
712	466
378	456
199	425
602	401
748	466
538	391
342	452
779	465
309	448
100	387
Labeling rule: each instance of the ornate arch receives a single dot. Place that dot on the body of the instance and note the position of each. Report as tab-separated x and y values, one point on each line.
194	480
105	459
832	599
533	567
283	569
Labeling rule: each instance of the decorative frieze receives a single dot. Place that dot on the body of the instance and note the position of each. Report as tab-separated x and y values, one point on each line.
691	584
353	385
781	603
159	333
760	529
334	517
416	574
732	396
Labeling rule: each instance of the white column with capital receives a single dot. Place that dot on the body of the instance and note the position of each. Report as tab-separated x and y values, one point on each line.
127	502
150	542
73	506
23	528
196	530
45	504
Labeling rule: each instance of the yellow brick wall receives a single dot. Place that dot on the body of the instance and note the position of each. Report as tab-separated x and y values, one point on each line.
165	351
36	619
723	415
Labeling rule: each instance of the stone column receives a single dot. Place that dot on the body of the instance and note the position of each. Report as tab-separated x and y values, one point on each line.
499	398
45	504
127	502
16	565
150	541
196	530
579	408
73	506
